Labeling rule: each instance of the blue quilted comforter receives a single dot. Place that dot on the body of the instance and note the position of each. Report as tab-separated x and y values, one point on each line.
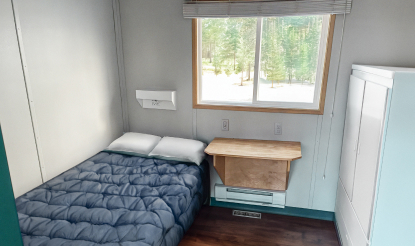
113	199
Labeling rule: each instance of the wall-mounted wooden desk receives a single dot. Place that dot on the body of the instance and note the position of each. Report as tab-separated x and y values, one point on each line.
259	164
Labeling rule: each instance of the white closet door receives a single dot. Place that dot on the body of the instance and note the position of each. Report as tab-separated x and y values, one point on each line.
371	129
351	133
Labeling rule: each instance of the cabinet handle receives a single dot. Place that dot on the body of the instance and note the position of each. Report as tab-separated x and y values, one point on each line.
358	149
355	146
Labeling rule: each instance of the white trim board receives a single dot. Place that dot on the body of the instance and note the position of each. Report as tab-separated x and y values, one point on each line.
29	92
121	68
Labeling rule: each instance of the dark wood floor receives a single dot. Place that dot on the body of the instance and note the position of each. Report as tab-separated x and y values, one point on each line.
216	226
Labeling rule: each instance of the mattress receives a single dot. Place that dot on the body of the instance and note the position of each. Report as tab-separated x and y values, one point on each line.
113	199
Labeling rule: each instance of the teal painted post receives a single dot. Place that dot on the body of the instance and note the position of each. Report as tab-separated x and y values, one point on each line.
9	224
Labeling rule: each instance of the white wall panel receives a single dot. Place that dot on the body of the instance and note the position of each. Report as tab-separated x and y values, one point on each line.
14	109
157	43
327	160
72	65
157	54
254	125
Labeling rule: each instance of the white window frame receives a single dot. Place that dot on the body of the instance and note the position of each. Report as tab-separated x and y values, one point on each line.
317	107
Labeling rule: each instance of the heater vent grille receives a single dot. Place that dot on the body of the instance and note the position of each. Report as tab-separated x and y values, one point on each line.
247	214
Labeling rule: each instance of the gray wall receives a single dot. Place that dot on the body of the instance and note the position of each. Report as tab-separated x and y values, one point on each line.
157	45
14	109
157	53
72	69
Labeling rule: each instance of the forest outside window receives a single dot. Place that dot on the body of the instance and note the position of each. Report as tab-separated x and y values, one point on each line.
272	64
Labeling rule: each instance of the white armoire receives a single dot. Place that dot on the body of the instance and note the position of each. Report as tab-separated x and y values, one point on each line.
375	195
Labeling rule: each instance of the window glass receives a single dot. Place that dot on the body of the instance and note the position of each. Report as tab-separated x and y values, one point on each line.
289	57
228	59
262	62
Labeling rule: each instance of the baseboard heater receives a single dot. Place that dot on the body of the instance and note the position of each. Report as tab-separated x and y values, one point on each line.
250	196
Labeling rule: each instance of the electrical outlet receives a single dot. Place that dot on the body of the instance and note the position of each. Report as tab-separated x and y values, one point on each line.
278	128
225	125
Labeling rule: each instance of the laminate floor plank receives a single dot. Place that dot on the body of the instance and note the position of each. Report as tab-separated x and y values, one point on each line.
216	226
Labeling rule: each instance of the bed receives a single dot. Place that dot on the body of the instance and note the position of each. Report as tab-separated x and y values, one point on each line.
115	199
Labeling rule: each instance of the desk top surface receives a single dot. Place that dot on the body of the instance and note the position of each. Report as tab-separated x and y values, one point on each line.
258	149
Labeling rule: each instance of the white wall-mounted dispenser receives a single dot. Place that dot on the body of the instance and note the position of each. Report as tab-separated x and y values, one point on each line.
157	99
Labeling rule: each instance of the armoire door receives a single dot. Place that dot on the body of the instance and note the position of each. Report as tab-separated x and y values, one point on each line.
370	137
351	133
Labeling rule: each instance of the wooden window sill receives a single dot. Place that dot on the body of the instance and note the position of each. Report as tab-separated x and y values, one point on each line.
260	109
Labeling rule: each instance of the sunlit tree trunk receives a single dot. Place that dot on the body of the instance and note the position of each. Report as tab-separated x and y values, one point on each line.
234	61
242	77
210	52
249	72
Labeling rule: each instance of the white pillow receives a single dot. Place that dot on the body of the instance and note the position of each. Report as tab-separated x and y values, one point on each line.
179	149
133	143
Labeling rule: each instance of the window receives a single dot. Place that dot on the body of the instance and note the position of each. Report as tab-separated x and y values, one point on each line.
272	64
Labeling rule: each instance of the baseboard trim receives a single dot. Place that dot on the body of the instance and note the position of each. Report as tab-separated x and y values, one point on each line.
290	211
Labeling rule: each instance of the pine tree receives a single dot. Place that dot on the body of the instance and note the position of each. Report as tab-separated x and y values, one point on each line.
231	41
212	30
275	64
247	44
289	49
